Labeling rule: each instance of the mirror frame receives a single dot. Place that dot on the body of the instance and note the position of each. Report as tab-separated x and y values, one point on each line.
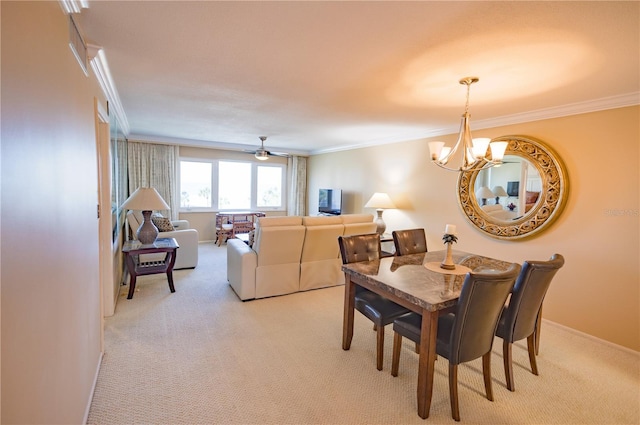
554	193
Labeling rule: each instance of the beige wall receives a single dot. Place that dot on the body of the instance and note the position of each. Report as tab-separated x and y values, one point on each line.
597	291
51	305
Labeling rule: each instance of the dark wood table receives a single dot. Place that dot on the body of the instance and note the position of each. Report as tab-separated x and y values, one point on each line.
133	249
407	281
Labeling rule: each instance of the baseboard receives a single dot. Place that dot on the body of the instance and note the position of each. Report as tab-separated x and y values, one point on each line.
591	337
93	389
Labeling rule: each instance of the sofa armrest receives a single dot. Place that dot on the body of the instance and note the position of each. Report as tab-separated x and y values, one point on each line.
180	224
187	254
241	268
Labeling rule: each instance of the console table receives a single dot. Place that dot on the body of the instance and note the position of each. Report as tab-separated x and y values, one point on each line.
132	251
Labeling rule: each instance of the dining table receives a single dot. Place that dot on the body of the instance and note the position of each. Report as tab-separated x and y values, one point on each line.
417	282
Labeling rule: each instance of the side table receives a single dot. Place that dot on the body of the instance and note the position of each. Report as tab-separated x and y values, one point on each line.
132	251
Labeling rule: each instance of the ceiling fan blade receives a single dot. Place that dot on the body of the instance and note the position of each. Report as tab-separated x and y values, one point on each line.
262	149
281	154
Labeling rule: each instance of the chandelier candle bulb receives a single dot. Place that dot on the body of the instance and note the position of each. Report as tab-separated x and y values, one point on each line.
474	151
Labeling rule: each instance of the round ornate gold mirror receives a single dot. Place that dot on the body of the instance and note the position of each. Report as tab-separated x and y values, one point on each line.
518	198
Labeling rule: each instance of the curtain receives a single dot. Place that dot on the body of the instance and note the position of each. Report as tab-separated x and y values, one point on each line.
156	166
296	199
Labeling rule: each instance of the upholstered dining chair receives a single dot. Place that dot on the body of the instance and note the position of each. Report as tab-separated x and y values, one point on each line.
466	334
520	319
410	241
374	307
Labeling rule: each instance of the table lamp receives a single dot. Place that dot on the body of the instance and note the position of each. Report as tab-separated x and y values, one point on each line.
380	201
484	193
146	199
499	191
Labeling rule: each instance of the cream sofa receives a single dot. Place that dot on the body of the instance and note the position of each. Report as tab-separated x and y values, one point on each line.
498	212
291	254
187	238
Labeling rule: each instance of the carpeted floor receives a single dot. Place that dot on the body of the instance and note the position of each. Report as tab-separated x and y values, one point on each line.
201	356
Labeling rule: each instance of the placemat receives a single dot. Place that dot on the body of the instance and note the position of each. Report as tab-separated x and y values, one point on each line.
435	267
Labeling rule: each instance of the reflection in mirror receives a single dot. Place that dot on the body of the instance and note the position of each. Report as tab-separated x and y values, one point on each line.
508	191
518	198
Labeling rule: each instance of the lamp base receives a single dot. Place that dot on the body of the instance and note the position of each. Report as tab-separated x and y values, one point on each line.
380	223
147	232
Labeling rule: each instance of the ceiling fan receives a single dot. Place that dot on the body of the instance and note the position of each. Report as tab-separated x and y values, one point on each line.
263	154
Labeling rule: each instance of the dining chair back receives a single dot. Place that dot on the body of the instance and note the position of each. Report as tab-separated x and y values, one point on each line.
521	318
379	310
410	241
468	333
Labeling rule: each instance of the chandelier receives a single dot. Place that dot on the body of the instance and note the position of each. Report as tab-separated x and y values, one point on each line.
475	150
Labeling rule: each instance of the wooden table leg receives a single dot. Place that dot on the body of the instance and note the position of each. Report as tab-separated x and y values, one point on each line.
426	361
349	306
132	285
131	267
172	261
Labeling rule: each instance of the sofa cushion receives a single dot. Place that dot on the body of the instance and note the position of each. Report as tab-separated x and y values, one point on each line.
280	221
356	218
321	220
493	207
163	224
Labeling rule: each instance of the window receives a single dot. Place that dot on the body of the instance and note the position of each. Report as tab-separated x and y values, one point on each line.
269	191
207	185
195	184
234	190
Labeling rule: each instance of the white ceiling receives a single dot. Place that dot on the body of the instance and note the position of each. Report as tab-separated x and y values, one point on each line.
321	76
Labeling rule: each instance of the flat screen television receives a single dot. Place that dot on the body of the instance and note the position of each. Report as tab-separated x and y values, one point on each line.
330	201
513	188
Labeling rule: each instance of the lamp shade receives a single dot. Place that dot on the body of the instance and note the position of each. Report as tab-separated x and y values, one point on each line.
484	192
380	200
145	199
499	191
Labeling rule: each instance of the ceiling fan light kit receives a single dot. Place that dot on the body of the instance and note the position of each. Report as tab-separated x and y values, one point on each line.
262	154
475	150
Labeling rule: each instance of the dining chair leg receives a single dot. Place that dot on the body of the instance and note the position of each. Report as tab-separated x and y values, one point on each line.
532	354
417	348
397	346
508	364
453	391
536	331
486	372
380	347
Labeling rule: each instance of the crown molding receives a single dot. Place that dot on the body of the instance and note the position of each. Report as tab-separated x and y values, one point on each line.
100	67
162	140
612	102
73	6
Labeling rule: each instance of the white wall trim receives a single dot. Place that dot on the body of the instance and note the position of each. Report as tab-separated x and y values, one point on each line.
100	67
93	389
73	6
612	102
591	337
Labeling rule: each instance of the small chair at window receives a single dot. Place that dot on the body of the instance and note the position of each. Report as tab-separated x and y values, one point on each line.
242	225
224	229
374	307
411	241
